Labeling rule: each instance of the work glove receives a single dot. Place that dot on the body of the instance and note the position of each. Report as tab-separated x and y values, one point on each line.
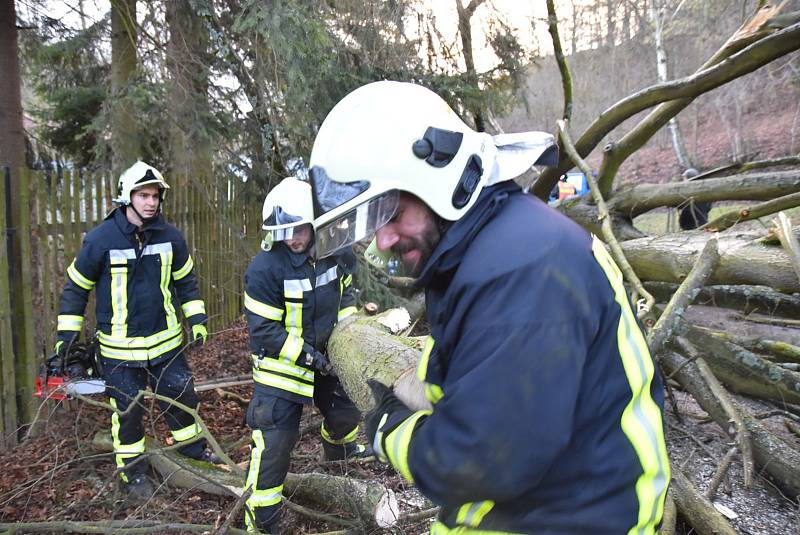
65	340
316	360
384	417
199	334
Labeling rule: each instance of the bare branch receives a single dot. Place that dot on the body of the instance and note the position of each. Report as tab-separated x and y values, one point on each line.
733	217
563	68
788	241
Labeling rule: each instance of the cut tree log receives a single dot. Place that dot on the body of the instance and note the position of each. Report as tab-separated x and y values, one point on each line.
371	502
762	299
362	348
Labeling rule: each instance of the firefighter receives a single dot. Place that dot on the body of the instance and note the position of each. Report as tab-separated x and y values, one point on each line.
292	303
141	271
547	407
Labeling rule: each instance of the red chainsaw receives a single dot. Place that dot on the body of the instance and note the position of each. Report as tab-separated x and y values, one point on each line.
76	371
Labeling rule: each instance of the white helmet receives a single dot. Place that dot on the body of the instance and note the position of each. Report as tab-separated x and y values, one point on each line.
286	207
138	175
386	137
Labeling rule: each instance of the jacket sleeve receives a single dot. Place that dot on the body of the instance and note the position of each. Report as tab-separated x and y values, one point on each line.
82	275
510	392
185	280
264	309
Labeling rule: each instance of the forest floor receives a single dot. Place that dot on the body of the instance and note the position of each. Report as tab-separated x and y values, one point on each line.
58	476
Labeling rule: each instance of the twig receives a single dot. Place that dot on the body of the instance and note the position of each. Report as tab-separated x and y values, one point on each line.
755	211
419	515
768	321
703	267
742	434
603	216
670	516
305	511
117	526
558	53
720	472
224	528
788	240
224	394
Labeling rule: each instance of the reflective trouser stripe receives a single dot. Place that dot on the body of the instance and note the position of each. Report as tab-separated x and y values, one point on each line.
472	514
397	441
641	419
259	497
349	437
188	432
123	452
440	529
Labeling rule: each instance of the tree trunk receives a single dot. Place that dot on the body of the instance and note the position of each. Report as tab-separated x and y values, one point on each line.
669	258
465	29
125	139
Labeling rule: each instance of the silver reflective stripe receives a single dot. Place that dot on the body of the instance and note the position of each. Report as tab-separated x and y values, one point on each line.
296	287
280	234
121	254
158	248
327	277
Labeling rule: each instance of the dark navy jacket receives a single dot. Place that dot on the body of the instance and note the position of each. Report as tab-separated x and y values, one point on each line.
139	278
291	302
547	405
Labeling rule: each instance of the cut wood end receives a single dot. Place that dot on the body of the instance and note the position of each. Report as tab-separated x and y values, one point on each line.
371	309
395	319
387	511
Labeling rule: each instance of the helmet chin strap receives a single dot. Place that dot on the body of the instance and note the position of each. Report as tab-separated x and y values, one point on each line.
145	220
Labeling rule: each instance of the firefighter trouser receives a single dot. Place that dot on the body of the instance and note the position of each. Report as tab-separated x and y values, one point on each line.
171	378
275	424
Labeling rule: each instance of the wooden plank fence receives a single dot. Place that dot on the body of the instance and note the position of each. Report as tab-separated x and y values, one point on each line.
222	231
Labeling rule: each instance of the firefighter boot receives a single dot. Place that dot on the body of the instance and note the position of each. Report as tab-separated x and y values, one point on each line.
138	490
345	452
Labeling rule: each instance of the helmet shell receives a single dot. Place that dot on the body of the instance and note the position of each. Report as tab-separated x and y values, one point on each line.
371	133
293	197
138	175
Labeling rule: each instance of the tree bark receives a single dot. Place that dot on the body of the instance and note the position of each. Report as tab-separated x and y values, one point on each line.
670	258
125	139
373	503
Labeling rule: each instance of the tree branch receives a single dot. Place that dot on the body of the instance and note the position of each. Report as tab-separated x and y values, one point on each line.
733	217
563	68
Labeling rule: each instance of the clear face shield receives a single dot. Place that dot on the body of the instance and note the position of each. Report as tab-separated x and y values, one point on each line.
359	223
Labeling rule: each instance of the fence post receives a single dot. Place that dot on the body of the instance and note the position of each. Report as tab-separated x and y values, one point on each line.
8	401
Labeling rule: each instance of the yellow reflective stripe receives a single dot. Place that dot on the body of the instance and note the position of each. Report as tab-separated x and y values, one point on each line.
262	309
190	308
68	322
291	348
122	452
139	348
185	270
349	437
433	392
187	432
641	419
396	444
119	300
347	280
255	459
345	312
280	366
422	367
438	528
166	274
294	318
284	383
78	278
471	514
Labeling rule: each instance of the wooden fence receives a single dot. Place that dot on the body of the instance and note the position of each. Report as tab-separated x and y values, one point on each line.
221	228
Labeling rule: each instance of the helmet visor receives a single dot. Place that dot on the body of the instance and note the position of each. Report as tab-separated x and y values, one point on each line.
279	217
359	223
